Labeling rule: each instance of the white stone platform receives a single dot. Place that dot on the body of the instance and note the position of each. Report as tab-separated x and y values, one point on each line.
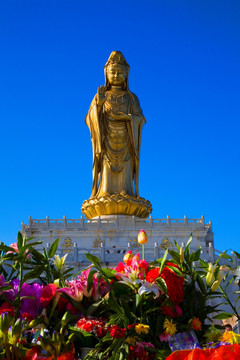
109	237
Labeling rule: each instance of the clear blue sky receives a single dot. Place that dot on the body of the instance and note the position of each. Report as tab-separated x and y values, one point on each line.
184	57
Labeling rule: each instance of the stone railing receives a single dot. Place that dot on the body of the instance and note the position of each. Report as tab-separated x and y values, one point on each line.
116	221
113	254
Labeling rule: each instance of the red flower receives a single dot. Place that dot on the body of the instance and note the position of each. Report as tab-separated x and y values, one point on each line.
48	293
172	311
6	307
96	326
100	332
152	275
27	316
120	268
67	356
131	326
64	304
143	264
174	284
32	354
117	332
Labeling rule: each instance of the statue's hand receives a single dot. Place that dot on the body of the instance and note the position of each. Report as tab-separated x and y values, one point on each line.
121	116
101	97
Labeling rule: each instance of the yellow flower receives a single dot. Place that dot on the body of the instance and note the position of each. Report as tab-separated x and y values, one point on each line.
236	338
169	327
215	285
141	328
230	337
227	336
196	324
130	341
210	274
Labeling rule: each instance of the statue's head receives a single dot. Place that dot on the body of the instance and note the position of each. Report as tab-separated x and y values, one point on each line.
116	64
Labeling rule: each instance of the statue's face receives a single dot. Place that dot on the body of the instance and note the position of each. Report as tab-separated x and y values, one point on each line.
116	74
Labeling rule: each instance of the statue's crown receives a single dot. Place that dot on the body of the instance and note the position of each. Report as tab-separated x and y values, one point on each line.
118	58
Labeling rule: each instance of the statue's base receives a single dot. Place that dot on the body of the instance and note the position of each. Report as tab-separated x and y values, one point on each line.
116	205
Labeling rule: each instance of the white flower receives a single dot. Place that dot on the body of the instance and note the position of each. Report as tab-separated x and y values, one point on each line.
148	288
60	263
237	274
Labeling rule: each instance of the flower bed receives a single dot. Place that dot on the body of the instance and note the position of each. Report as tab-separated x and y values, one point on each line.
133	311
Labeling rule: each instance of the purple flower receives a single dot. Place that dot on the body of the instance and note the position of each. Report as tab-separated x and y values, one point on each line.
30	306
2	281
12	293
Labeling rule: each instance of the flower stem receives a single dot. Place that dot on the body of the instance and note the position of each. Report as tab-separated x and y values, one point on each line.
143	251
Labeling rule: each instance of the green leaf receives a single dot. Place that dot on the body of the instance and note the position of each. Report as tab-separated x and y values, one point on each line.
108	273
162	285
113	304
7	287
90	280
122	288
163	260
225	256
6	248
33	274
30	245
223	315
204	264
177	246
94	259
37	256
84	338
189	241
19	241
175	255
175	270
53	248
237	254
92	308
196	255
186	250
201	284
156	308
138	299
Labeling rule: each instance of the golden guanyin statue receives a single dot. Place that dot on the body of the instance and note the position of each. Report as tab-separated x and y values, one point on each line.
115	121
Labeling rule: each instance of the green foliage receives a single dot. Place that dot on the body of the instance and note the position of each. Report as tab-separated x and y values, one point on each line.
123	304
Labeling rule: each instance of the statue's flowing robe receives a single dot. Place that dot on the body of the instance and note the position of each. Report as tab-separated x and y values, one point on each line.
115	160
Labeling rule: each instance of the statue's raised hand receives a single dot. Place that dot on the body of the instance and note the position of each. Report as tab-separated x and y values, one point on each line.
101	97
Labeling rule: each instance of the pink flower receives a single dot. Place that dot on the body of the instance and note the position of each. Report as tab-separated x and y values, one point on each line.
77	288
74	291
14	246
164	337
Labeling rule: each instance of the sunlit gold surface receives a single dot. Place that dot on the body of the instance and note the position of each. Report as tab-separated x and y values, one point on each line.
115	121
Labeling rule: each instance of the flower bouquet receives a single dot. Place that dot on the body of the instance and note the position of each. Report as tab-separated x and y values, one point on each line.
133	311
